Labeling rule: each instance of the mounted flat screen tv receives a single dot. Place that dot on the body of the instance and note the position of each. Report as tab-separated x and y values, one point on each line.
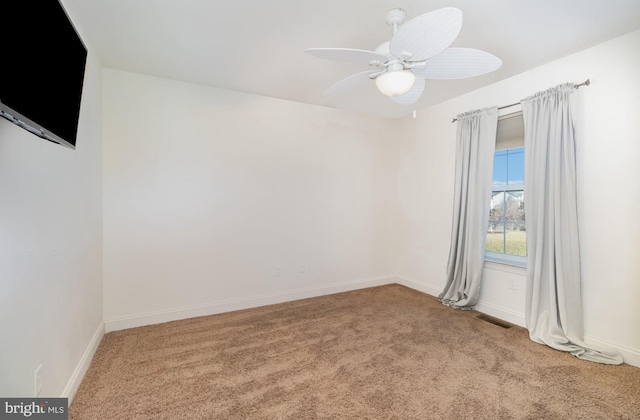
42	67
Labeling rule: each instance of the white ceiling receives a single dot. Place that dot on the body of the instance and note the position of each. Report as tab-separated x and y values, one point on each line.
256	46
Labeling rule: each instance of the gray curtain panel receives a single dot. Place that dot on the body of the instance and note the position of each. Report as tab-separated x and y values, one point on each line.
476	142
554	302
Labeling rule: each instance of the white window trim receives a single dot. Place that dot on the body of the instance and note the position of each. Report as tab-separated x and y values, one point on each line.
507	259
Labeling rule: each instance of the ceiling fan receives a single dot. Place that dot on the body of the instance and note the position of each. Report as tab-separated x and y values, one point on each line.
418	50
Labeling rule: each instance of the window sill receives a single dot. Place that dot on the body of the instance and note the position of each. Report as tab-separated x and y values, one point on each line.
509	260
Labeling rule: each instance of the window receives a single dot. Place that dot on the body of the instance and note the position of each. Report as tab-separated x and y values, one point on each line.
506	232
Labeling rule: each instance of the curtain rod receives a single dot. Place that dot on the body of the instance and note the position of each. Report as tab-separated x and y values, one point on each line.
585	83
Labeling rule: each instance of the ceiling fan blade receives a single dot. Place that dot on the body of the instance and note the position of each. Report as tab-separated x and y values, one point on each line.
353	81
346	54
458	63
428	34
413	95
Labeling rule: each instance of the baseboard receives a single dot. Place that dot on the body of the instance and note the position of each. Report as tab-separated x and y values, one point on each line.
630	356
504	314
175	314
489	309
82	366
418	285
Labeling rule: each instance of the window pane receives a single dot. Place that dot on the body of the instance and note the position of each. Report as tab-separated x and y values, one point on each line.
496	209
506	233
514	206
500	170
495	241
495	231
515	167
516	239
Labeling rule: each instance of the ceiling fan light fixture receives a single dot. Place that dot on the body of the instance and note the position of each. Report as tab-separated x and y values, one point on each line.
419	49
395	83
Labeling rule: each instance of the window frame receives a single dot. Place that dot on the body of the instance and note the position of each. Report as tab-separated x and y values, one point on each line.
498	257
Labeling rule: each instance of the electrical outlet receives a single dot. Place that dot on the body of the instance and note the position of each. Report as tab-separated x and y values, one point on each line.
301	268
512	283
37	380
278	270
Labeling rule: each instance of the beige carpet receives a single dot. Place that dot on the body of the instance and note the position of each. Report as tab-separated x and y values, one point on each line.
381	353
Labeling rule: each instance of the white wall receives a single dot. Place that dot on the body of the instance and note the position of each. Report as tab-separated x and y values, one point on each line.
51	252
609	199
207	191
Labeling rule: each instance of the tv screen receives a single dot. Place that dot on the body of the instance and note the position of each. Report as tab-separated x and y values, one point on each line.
41	69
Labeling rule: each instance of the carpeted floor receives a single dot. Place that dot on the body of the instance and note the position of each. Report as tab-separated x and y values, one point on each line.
381	353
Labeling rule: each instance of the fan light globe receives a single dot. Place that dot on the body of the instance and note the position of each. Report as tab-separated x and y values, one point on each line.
395	83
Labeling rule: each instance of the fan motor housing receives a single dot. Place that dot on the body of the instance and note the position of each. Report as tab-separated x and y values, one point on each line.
395	17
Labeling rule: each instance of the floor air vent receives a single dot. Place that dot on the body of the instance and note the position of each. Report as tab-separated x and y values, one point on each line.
494	321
